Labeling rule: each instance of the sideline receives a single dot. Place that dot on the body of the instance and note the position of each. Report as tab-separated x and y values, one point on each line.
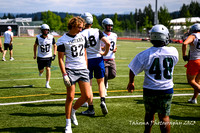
55	100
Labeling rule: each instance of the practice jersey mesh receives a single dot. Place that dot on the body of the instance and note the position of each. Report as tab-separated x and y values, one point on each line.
93	42
112	37
74	48
44	45
158	64
195	49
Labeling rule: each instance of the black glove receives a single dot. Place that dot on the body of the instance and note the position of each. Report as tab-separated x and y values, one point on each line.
185	58
53	57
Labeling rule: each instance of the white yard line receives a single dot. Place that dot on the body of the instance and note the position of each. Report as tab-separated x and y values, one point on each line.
119	76
55	100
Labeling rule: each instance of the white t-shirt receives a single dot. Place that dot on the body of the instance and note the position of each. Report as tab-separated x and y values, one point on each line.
195	49
74	48
112	37
45	45
158	64
7	36
93	42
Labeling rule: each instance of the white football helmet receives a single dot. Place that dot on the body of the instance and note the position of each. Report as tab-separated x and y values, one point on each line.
45	27
107	21
194	28
161	33
9	27
87	17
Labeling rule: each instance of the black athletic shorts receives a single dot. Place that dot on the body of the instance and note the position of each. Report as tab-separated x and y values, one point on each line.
43	62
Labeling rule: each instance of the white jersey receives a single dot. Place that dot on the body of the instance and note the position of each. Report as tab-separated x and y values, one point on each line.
93	42
158	64
195	49
44	45
74	48
7	36
112	37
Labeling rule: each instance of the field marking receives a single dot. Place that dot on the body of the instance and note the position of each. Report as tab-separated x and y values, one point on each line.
79	93
118	76
55	100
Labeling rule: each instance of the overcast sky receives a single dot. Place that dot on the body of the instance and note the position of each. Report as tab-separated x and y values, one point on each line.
80	6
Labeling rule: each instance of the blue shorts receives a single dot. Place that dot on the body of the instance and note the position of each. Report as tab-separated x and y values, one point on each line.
96	65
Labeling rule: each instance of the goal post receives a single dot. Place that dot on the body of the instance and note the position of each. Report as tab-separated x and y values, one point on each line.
29	30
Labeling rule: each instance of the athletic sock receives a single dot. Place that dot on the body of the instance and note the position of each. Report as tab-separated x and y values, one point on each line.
68	122
73	111
91	107
103	99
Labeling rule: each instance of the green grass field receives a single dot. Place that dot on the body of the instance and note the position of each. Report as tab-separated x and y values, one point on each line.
125	114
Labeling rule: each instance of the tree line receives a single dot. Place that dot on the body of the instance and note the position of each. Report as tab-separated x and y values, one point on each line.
140	19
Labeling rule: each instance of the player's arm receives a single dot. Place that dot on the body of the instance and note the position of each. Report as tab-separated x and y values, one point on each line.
61	61
107	46
189	40
35	48
86	57
131	86
62	68
54	49
11	39
1	49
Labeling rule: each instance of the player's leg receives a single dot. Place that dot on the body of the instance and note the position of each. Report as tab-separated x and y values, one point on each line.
112	70
11	52
4	52
192	82
90	110
68	106
85	94
101	87
48	75
196	93
165	123
149	121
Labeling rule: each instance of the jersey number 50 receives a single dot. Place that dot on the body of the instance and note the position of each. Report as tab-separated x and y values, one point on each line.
167	64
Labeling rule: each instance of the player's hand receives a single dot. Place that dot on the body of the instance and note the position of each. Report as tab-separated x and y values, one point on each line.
130	87
34	57
53	57
186	58
66	80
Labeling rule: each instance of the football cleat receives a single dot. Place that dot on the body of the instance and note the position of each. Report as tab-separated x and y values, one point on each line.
11	59
88	112
3	59
48	86
84	105
68	130
74	120
104	108
40	74
194	101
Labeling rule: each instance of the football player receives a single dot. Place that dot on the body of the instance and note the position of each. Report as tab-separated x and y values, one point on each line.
8	43
109	59
72	45
44	44
158	64
95	61
193	75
